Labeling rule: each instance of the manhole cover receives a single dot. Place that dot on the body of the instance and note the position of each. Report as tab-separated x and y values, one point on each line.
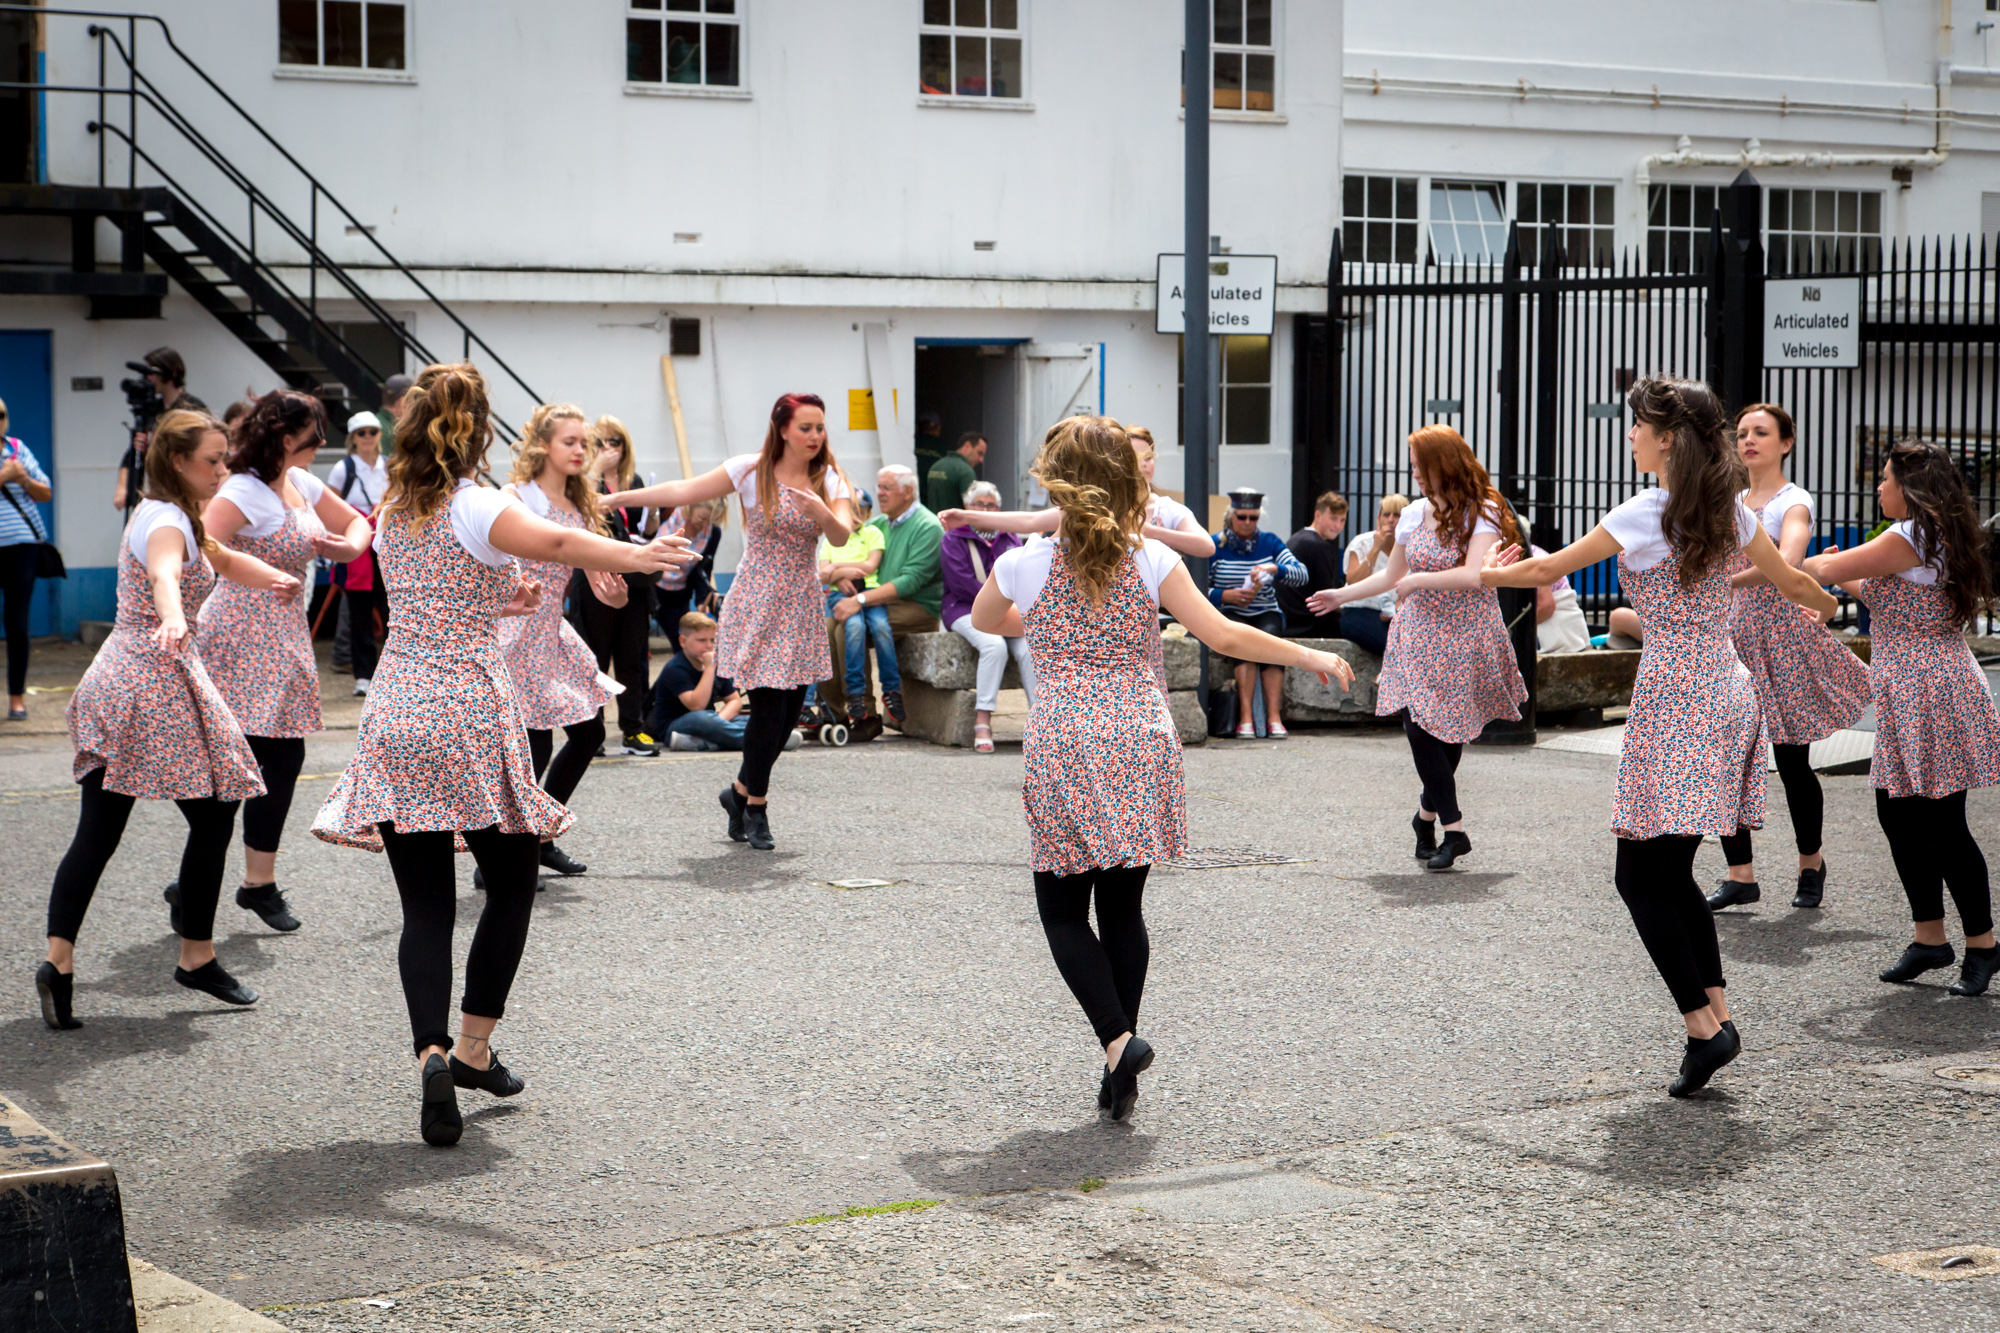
1947	1265
1222	858
1970	1073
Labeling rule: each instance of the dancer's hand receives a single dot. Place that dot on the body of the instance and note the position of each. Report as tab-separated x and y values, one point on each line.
1811	564
284	587
608	588
1324	602
1498	557
172	633
337	549
1329	667
1412	582
527	597
662	553
815	507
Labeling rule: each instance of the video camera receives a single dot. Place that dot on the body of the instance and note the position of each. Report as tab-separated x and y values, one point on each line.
142	400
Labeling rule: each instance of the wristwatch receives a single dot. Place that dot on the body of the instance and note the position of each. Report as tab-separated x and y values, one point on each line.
861	598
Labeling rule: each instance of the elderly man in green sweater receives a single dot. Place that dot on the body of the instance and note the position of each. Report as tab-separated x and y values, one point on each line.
911	581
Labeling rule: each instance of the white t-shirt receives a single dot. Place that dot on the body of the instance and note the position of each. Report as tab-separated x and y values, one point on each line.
1636	526
1166	512
1021	573
260	506
743	476
1925	574
473	509
1418	515
150	517
359	482
531	495
1788	498
1381	601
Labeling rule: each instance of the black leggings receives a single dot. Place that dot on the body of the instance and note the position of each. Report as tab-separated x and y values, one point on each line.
773	715
99	826
280	758
1802	795
1105	969
17	584
617	635
1655	877
427	880
361	608
1932	848
580	742
1437	767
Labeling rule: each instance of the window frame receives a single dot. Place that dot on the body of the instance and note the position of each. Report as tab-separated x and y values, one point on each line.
1267	386
1775	237
736	92
1276	113
1023	20
283	69
1531	244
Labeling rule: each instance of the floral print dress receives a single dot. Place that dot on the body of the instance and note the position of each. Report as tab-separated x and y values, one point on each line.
153	719
773	633
1448	659
554	672
1936	728
1809	684
441	744
1103	785
258	649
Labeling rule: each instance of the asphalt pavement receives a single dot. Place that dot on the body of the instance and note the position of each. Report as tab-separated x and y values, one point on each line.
1383	1099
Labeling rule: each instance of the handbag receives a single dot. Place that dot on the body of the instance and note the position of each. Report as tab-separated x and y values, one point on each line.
48	560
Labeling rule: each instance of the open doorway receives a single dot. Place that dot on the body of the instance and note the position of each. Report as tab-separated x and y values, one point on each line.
19	158
975	386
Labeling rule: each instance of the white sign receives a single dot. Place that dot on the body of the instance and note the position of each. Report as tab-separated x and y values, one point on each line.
1242	294
1812	321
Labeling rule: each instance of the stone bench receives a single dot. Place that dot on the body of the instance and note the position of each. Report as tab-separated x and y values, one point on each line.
62	1234
941	677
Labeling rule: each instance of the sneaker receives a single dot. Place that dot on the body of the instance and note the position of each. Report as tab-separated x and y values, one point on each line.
1277	731
892	704
641	745
1246	732
683	743
793	740
362	685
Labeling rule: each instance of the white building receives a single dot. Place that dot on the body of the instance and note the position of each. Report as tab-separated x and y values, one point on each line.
953	205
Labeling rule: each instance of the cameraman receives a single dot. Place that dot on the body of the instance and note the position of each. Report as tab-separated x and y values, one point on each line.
167	374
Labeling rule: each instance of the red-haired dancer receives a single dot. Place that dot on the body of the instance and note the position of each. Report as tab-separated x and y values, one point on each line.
773	637
1449	667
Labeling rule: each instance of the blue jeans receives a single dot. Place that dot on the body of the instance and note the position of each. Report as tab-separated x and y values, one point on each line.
876	619
1364	625
709	725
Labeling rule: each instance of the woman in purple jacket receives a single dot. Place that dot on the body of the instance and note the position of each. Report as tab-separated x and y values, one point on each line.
967	556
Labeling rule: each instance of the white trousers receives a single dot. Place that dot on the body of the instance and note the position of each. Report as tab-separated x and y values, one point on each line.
993	650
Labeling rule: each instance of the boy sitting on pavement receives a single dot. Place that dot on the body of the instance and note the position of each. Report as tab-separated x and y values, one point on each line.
694	708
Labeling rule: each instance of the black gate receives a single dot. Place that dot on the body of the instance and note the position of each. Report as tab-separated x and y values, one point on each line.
1530	358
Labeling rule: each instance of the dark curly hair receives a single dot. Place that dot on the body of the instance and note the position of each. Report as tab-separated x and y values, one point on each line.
1945	523
1701	471
257	438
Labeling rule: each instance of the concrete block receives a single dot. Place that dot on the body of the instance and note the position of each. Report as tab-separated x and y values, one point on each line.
940	716
1185	706
1306	700
1183	659
945	662
168	1304
62	1235
1600	678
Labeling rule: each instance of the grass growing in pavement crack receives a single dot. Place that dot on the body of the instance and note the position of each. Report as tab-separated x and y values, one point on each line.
1089	1183
870	1210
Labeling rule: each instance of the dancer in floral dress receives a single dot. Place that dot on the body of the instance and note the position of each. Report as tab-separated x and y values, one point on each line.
1693	760
257	650
1937	733
556	680
1103	789
441	759
149	724
1809	684
773	637
1449	667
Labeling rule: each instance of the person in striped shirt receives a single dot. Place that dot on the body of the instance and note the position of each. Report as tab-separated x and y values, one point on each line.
1243	575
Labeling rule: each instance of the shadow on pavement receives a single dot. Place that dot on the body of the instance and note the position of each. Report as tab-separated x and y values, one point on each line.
1660	1141
1035	1158
1425	888
57	1057
278	1189
1921	1015
739	870
1787	940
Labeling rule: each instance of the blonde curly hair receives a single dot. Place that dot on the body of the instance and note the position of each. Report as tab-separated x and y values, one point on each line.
1091	472
532	455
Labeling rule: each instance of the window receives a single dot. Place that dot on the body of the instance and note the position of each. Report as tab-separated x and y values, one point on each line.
343	34
1246	63
1468	221
1244	408
970	48
1581	216
1812	230
1379	219
1678	218
697	42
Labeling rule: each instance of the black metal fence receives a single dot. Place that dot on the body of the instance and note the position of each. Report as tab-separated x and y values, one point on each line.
1530	358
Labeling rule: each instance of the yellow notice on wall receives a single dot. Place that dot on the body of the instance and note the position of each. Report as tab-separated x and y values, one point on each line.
861	408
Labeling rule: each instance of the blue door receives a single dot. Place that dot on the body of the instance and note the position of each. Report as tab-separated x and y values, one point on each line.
26	368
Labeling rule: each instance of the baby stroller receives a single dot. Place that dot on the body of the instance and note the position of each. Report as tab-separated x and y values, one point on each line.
818	721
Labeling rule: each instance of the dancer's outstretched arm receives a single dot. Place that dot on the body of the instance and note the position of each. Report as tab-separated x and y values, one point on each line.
1505	568
1384	580
1888	555
1188	539
1794	535
713	484
1232	638
520	534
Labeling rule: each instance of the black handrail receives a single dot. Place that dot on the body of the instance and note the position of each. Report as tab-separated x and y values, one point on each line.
156	99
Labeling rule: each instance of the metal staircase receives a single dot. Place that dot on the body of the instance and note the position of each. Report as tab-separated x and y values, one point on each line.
265	281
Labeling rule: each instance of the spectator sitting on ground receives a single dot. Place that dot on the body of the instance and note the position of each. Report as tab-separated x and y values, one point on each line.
908	586
952	476
968	556
1366	622
1559	623
1242	575
1317	545
693	708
